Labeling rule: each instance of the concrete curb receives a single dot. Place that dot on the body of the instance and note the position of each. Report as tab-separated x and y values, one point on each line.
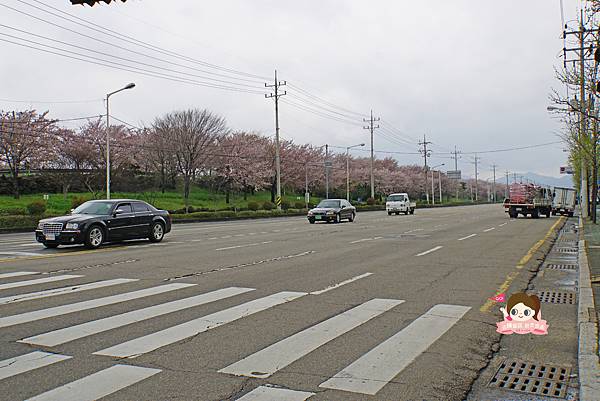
589	365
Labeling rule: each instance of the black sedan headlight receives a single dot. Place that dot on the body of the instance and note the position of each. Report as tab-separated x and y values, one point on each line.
71	226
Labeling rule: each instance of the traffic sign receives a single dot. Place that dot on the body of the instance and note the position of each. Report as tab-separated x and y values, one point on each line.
454	174
566	170
328	163
307	197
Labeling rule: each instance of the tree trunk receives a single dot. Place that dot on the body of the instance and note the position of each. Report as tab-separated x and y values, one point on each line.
17	191
273	192
186	191
227	192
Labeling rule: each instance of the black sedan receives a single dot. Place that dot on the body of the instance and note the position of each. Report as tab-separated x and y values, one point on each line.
99	221
332	210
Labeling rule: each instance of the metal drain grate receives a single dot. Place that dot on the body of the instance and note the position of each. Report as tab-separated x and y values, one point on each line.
532	378
557	297
566	250
558	266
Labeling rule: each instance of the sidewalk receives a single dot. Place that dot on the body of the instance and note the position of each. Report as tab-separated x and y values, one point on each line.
549	367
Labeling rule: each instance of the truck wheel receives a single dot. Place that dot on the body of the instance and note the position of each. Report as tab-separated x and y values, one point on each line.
535	214
389	213
412	211
570	214
513	214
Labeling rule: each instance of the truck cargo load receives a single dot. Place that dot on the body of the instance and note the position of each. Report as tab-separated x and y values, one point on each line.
528	200
563	201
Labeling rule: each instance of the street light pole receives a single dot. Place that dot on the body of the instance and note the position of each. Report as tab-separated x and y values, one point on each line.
440	177
348	169
128	86
433	183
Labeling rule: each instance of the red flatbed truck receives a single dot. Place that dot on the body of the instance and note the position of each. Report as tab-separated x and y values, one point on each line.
528	200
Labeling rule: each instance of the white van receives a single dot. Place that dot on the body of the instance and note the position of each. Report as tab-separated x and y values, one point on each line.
397	203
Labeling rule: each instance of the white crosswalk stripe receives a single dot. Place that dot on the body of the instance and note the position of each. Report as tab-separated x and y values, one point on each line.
371	372
151	342
264	393
24	363
17	284
64	290
99	384
366	375
84	305
264	363
16	274
71	333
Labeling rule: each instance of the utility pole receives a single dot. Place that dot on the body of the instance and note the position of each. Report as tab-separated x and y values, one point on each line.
581	50
426	154
494	183
455	157
476	187
276	96
372	128
326	171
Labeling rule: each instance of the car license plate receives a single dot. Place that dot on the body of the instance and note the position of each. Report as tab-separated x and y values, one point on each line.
317	217
50	237
518	209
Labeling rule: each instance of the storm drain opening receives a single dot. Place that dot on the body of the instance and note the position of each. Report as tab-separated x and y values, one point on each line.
532	378
561	266
566	250
557	297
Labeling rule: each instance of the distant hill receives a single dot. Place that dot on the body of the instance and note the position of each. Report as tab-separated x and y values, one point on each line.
564	181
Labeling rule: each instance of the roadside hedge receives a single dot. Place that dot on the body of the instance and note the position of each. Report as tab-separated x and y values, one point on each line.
19	221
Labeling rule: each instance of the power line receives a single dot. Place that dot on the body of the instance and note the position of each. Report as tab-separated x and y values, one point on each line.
129	39
51	102
115	57
134	70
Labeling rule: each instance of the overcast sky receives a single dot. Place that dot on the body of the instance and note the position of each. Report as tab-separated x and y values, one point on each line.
470	73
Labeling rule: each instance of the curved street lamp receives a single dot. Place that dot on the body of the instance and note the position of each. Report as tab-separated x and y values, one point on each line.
348	169
128	86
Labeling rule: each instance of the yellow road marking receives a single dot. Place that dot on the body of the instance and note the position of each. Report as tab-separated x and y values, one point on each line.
55	255
511	276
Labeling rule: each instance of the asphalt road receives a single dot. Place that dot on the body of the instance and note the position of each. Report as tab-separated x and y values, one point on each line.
385	308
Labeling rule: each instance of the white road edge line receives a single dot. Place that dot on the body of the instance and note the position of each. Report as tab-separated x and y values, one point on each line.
264	393
24	363
243	246
334	286
98	385
437	248
489	229
467	237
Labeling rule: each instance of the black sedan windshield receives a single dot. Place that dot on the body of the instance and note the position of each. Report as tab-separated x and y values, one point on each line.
329	204
98	208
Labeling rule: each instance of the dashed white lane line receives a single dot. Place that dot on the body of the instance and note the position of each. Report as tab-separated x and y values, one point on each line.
502	225
489	229
243	246
365	240
437	248
334	286
264	393
467	237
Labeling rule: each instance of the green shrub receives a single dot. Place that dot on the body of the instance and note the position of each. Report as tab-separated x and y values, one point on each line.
370	201
36	208
285	205
77	201
299	205
268	205
253	206
14	211
18	222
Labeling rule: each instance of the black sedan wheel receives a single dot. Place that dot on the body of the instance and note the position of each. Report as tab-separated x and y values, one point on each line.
157	233
94	237
337	218
50	246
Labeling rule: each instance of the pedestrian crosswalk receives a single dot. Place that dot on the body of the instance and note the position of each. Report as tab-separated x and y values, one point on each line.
367	374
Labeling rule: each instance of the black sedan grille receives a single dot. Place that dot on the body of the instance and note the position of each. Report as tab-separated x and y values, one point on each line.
52	228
